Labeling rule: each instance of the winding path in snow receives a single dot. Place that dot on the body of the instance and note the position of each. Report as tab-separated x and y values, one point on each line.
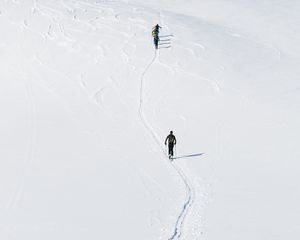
186	206
177	232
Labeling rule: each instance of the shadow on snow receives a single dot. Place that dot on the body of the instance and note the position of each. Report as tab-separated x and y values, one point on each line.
188	156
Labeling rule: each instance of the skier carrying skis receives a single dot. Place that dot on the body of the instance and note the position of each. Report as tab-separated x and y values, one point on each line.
155	33
171	139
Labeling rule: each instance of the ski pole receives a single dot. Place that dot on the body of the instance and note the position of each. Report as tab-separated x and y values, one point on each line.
166	149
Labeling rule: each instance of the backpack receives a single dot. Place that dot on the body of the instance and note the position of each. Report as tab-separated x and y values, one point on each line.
171	139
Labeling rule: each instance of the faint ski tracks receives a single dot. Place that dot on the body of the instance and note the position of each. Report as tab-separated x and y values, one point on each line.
177	232
21	183
187	205
141	112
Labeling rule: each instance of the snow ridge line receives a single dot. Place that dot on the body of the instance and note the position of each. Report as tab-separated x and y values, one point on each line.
189	191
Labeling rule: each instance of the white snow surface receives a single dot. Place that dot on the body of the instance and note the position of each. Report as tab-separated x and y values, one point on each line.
86	103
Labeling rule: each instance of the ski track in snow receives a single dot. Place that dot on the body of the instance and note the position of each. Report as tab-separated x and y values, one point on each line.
186	206
177	232
55	17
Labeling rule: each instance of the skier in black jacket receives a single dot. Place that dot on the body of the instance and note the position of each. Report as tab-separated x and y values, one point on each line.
171	139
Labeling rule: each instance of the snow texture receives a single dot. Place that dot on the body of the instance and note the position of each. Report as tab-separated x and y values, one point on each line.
86	103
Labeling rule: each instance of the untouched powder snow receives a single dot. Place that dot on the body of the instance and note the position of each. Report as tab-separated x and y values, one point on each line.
86	103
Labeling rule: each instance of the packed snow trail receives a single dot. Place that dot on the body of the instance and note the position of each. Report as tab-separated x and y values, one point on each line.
189	191
141	112
187	205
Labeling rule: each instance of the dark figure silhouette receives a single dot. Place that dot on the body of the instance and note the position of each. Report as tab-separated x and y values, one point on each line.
155	33
156	40
155	29
171	139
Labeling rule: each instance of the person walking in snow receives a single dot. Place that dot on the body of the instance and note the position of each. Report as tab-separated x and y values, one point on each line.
155	34
171	139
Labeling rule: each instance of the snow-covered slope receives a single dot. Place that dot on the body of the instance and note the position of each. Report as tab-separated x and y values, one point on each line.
86	103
